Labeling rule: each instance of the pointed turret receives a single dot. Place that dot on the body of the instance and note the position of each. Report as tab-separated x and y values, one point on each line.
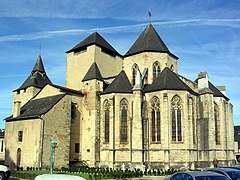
93	73
149	41
38	78
120	84
39	65
96	39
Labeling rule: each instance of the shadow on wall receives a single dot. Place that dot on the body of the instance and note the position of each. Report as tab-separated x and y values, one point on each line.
8	160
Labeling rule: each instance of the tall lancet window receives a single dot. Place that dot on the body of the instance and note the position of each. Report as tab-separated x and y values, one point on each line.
176	116
106	121
217	123
156	70
155	120
123	121
134	73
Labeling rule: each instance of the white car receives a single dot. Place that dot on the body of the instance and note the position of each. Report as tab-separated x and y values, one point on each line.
58	177
4	172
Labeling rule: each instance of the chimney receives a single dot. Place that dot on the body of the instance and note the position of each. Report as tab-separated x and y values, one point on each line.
16	108
202	80
222	89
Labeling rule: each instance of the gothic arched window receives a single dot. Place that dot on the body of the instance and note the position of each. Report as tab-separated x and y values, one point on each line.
134	73
123	121
155	120
176	111
217	123
106	122
156	70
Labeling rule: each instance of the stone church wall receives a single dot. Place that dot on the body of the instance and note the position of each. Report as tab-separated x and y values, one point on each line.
146	60
57	124
79	63
30	147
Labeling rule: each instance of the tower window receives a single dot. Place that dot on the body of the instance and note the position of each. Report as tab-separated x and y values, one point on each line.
77	147
217	123
123	119
134	73
155	120
156	70
73	110
20	136
176	113
106	122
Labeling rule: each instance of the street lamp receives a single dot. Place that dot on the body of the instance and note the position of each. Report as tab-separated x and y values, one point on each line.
53	145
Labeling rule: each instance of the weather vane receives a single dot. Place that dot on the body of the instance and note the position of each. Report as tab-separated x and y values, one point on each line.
40	49
149	15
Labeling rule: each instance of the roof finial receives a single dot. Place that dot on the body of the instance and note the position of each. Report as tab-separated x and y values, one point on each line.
40	49
149	15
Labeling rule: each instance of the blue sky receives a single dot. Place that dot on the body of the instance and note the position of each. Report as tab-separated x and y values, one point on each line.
205	35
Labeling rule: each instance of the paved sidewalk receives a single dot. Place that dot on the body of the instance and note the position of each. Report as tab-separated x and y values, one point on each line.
142	178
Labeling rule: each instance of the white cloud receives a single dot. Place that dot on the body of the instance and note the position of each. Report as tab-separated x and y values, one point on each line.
116	29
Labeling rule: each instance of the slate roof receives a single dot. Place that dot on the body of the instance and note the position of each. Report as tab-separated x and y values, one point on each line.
39	65
149	41
120	84
96	39
167	80
67	90
38	77
216	92
93	73
37	107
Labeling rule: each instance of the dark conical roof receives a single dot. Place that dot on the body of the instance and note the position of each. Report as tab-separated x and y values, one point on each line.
167	80
120	84
96	39
148	41
93	73
39	65
38	78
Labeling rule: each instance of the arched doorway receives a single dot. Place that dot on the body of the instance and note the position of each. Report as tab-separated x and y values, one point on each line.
19	152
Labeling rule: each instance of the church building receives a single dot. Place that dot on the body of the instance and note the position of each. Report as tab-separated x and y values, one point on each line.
133	109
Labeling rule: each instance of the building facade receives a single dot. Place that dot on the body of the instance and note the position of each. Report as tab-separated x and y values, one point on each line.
133	109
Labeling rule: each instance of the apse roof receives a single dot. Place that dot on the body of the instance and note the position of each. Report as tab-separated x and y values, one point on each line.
93	73
96	39
149	41
120	84
167	80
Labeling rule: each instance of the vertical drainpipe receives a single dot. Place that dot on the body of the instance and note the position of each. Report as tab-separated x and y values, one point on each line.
41	141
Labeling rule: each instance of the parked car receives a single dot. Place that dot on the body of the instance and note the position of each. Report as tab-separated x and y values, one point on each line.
234	174
58	177
198	175
232	167
4	172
